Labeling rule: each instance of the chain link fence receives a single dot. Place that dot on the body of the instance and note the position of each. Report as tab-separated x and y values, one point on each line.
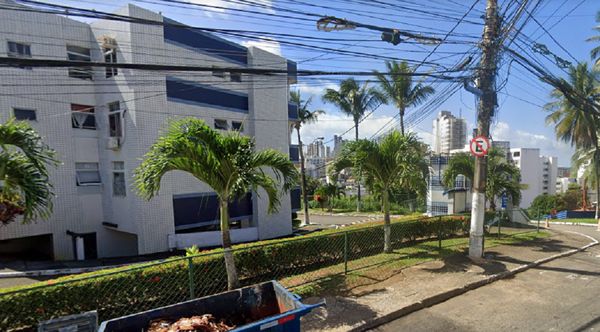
294	262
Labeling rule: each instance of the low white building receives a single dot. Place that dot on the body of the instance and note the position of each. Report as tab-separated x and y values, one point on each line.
442	200
102	121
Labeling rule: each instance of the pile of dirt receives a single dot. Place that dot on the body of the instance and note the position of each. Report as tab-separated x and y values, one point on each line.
204	323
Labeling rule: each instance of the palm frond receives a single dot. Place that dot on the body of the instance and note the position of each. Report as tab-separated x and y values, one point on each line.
24	180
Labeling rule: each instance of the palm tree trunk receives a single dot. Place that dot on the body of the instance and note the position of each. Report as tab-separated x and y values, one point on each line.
584	195
303	179
232	277
358	175
402	121
596	169
387	228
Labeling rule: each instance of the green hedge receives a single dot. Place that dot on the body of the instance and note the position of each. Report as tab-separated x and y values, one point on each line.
122	291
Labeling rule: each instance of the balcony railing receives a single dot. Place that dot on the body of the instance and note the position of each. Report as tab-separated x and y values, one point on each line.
293	112
294	153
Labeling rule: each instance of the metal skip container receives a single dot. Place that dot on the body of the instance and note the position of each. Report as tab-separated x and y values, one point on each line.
266	306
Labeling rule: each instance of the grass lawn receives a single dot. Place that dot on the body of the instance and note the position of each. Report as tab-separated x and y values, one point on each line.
577	221
373	269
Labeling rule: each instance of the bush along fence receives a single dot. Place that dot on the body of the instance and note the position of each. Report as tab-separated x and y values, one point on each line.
123	291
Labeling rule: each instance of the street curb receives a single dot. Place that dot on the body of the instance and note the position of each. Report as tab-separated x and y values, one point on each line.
572	223
55	272
444	296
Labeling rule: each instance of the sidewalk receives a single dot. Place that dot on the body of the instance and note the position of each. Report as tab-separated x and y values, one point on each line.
414	284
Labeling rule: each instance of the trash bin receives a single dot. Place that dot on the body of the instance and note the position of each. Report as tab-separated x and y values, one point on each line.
262	307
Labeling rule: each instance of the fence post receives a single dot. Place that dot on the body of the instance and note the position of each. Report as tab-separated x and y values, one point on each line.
346	252
440	232
191	278
538	220
499	223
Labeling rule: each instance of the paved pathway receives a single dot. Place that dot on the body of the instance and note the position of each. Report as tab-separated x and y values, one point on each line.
561	295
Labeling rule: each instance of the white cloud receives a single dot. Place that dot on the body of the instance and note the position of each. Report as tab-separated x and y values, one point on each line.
315	89
336	124
522	139
270	45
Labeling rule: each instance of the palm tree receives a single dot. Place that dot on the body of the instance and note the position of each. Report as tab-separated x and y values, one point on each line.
25	188
304	116
595	53
397	85
503	177
395	160
227	163
587	159
354	100
574	114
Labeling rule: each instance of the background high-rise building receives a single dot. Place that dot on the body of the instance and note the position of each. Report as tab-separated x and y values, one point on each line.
338	143
449	133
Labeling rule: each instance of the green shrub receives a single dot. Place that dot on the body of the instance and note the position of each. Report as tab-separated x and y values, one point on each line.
127	290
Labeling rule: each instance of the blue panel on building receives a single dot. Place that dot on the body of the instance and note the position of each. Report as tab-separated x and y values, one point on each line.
294	153
295	195
292	69
194	93
201	209
292	111
204	42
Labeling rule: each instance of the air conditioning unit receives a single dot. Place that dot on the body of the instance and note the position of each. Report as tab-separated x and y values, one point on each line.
108	42
113	143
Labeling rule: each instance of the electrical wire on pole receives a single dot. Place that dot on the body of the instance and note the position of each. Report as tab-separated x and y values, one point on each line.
487	104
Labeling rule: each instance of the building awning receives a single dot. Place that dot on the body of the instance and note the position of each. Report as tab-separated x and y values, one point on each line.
454	190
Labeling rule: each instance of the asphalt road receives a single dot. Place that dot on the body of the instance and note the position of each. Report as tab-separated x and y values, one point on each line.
326	220
562	295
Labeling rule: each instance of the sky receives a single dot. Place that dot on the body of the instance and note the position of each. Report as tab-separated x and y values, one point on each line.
520	117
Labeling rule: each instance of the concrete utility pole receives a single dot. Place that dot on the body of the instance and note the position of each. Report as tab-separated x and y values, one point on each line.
487	104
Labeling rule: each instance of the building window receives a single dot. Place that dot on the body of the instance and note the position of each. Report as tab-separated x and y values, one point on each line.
24	114
87	174
19	50
217	72
83	116
235	77
438	208
115	119
118	184
517	154
221	124
237	125
76	53
110	56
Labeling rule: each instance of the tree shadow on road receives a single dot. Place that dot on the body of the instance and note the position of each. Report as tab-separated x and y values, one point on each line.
545	245
339	311
462	263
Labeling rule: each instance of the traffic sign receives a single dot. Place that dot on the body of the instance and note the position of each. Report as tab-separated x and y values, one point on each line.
479	146
504	200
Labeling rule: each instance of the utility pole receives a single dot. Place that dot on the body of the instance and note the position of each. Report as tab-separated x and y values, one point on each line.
487	104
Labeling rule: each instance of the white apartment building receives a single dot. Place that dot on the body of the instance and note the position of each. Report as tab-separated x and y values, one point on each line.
102	121
562	184
316	167
449	133
538	173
